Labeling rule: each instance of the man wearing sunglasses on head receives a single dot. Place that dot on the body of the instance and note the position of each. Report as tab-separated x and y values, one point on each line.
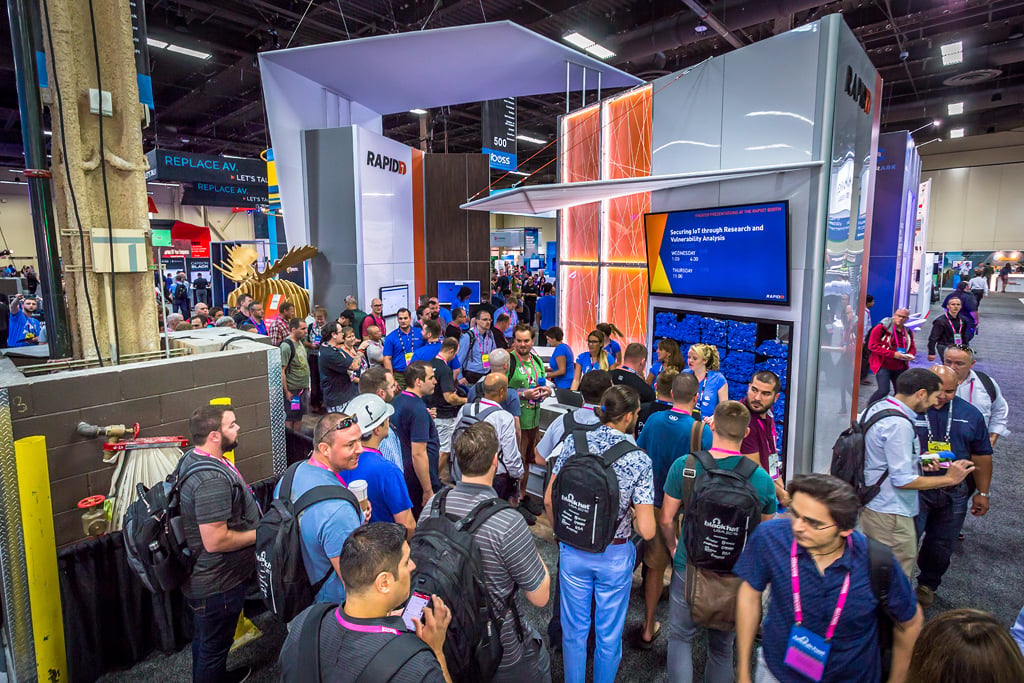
822	622
324	526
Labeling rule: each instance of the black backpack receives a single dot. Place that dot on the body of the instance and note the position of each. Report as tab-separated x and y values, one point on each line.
585	496
467	419
381	668
154	531
280	570
449	564
180	291
848	454
990	386
722	510
880	563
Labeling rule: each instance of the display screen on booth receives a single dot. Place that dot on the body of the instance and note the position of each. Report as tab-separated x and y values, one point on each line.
732	253
394	297
448	291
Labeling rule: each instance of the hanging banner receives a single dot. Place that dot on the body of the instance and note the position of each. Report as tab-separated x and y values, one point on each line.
168	165
498	120
215	194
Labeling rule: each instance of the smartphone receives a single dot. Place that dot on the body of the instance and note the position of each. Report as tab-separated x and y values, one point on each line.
414	610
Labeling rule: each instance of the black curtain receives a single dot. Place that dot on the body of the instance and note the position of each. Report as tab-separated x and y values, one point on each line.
111	621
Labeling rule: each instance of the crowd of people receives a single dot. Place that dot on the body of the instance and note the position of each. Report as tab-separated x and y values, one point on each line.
435	425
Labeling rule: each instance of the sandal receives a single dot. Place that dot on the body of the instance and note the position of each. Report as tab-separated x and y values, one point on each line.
648	644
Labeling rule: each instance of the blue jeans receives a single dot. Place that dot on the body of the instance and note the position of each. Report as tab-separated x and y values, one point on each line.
942	513
606	578
681	632
884	377
214	621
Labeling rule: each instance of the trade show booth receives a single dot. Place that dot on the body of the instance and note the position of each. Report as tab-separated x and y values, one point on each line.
755	171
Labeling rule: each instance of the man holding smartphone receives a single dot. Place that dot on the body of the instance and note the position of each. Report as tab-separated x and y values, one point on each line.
955	431
377	572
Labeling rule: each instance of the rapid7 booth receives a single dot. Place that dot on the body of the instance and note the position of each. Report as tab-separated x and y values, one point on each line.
730	203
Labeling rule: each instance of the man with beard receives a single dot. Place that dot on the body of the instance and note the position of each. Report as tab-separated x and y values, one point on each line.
220	515
760	443
23	328
399	346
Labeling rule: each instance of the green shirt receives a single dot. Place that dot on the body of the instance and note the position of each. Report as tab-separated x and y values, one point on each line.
297	372
760	480
526	376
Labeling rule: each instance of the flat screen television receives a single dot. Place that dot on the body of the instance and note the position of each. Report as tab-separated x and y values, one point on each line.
448	291
394	297
726	253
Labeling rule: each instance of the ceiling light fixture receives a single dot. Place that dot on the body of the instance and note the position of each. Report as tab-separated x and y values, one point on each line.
527	138
952	53
955	108
588	45
956	133
418	112
189	52
700	28
936	123
518	173
153	42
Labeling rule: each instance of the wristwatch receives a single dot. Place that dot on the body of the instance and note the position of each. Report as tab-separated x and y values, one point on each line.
982	493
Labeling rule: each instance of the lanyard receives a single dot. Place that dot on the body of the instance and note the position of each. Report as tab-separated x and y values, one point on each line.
401	340
798	611
409	393
531	373
364	628
231	466
959	331
949	425
480	344
722	450
903	338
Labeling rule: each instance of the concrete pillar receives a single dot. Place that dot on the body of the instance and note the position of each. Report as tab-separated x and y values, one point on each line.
71	64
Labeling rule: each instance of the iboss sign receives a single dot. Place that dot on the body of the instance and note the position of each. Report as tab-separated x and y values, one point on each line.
856	89
385	163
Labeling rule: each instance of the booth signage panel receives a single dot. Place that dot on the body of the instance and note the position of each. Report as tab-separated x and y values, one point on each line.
507	239
498	121
187	167
531	239
161	238
215	194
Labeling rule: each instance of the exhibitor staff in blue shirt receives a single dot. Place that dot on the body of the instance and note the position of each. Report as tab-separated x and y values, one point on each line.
476	346
822	621
561	371
399	346
956	430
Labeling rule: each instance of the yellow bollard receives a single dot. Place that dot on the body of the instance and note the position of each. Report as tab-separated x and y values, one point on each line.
41	558
230	455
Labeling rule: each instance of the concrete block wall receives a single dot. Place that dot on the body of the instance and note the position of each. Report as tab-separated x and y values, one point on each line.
160	396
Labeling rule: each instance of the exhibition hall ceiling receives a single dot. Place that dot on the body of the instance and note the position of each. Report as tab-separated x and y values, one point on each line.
214	104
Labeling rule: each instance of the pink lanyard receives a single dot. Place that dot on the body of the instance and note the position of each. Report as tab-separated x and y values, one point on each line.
951	325
480	344
409	393
345	624
722	450
531	374
798	612
316	463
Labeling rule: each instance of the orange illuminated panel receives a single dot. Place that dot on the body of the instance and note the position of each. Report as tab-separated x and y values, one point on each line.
624	301
626	153
577	301
581	145
580	237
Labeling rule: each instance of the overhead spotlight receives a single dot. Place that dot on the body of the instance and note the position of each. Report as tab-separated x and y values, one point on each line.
527	138
700	28
153	42
956	133
198	54
587	45
955	108
418	112
952	53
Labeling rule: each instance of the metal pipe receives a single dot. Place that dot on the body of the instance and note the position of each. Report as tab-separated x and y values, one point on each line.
25	32
714	23
567	86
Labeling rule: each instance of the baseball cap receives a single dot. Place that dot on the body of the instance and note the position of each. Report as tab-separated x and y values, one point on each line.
371	411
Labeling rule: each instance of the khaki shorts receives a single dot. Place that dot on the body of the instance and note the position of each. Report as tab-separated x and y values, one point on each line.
897	532
445	429
656	555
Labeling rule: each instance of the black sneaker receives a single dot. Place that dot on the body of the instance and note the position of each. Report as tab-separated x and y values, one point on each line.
532	504
530	518
239	675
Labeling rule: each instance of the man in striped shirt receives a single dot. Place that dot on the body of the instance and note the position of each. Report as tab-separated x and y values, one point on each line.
509	554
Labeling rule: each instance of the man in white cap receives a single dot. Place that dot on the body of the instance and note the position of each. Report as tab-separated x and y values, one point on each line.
385	483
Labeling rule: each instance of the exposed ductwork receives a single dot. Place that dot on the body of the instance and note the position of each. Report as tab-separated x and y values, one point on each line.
935	107
678	30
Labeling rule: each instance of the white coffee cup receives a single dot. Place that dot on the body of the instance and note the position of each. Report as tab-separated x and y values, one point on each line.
358	488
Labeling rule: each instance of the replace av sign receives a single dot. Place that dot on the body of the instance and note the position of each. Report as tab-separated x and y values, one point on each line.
190	168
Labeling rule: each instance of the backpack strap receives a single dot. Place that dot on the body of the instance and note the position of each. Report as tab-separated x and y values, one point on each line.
390	659
696	435
989	385
291	356
880	565
483	511
867	424
689	477
285	492
618	451
437	505
319	494
309	641
579	442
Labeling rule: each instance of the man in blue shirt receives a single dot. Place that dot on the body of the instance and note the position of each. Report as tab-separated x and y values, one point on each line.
666	438
385	483
399	346
546	315
956	430
509	309
823	514
476	346
325	525
418	434
892	460
23	329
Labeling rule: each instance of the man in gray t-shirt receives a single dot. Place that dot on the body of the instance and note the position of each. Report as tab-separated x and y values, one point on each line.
220	516
509	553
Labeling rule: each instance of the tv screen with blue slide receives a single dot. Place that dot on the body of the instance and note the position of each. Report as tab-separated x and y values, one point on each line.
448	291
729	253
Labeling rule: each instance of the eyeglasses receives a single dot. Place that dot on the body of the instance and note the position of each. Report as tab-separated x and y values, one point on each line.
593	341
343	424
809	521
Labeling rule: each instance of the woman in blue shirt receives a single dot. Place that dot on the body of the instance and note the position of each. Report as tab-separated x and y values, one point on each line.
561	358
613	347
702	361
595	358
669	356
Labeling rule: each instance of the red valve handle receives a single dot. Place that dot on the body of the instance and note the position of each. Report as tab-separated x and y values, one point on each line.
91	501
